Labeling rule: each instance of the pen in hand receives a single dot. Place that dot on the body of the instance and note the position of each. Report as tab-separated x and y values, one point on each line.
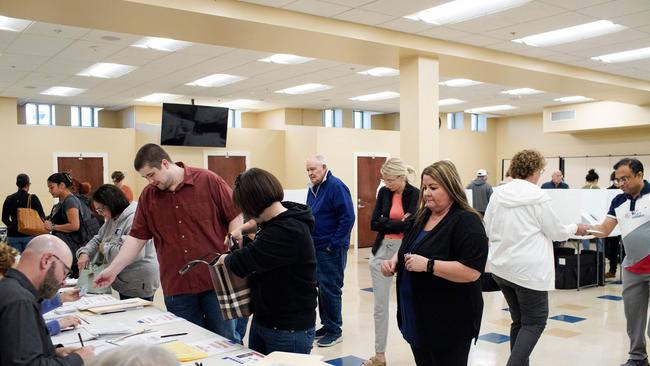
80	339
173	335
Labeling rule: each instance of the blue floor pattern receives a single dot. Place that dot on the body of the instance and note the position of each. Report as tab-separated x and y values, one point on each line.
494	338
568	318
346	361
611	297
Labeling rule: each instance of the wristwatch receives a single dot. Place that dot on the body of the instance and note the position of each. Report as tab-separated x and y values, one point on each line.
53	227
430	264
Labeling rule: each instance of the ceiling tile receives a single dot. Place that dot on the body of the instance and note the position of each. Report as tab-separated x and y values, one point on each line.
479	40
135	56
616	8
401	8
532	27
67	67
508	47
11	76
119	39
28	44
87	51
352	3
638	19
204	49
445	33
406	25
44	79
316	8
363	17
273	3
21	62
56	30
83	82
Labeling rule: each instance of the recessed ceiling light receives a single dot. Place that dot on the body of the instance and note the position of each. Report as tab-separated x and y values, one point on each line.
624	56
449	101
216	80
286	59
458	83
304	89
63	91
380	72
462	10
492	108
522	91
573	99
240	103
161	44
107	70
376	96
158	97
571	34
13	24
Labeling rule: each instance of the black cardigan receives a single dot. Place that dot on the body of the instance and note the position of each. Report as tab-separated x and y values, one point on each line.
380	221
446	312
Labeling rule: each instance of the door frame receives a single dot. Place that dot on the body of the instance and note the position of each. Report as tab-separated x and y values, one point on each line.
245	154
103	155
355	197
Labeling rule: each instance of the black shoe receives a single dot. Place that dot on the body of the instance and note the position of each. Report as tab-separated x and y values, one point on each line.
320	333
631	362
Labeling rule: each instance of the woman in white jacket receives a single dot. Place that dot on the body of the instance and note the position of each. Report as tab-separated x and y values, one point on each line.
521	226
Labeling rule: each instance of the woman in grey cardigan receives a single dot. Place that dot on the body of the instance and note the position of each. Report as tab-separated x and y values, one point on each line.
141	278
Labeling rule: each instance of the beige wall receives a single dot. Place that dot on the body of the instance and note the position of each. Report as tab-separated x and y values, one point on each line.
521	132
304	117
110	119
385	122
598	116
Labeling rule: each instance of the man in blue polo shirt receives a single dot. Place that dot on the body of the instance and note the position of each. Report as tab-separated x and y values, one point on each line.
631	211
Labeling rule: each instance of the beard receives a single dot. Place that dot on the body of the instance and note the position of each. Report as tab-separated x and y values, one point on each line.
50	284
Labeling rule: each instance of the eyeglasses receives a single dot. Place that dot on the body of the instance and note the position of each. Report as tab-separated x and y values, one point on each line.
67	269
622	180
100	210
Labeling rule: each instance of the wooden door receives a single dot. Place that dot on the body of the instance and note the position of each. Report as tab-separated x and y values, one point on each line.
227	167
89	170
368	176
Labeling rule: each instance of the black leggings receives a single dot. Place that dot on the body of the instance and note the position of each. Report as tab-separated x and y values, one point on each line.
449	356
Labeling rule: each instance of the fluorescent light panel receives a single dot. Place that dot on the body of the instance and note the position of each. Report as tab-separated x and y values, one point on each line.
573	99
161	44
13	24
571	34
286	59
458	83
106	70
492	108
449	101
240	103
380	72
376	96
522	91
158	97
624	56
304	89
462	10
63	91
216	80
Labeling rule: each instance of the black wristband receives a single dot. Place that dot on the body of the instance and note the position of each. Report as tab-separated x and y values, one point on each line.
430	266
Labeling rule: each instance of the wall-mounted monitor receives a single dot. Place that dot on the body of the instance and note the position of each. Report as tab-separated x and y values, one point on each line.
193	125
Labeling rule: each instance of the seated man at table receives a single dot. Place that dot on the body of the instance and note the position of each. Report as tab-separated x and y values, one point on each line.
40	273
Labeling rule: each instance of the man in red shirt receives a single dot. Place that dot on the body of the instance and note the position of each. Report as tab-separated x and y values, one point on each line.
188	212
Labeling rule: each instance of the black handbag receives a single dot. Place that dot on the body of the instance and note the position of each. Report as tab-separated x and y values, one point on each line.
488	284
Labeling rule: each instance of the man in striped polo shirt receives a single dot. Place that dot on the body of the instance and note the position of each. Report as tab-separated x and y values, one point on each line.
631	210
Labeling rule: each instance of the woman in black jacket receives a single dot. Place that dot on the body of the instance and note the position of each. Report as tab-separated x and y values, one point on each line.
396	202
439	299
280	263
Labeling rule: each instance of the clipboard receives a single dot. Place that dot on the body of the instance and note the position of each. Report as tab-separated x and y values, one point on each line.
131	304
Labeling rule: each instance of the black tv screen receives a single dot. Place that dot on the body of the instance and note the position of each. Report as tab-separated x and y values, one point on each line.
193	125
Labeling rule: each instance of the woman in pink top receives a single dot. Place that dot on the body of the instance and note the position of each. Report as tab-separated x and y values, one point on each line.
396	202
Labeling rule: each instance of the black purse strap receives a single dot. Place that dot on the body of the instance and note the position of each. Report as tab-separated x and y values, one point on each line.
204	259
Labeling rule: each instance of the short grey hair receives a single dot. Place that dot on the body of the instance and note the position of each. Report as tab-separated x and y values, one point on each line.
137	355
320	159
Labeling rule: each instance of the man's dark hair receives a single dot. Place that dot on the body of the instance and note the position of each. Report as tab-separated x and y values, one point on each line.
22	181
255	190
112	197
117	176
58	178
635	165
151	155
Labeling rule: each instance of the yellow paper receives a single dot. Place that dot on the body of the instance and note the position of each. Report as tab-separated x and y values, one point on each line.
184	352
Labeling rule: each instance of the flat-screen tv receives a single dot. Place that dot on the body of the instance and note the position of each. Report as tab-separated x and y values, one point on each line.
193	125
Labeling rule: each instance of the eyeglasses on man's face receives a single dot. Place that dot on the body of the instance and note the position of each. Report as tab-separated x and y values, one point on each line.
66	268
624	179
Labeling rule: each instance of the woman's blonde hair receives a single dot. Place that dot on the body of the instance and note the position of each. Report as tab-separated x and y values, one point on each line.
7	257
445	174
525	163
397	168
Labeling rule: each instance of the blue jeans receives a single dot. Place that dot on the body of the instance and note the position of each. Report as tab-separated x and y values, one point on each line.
330	265
240	327
19	243
266	340
203	310
600	244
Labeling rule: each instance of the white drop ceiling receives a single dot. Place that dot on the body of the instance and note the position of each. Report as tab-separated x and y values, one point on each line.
46	55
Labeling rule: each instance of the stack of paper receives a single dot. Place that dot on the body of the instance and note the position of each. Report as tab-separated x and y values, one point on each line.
216	345
184	352
291	359
109	329
158	319
122	305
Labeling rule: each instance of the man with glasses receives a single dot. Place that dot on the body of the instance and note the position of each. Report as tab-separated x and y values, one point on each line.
557	181
40	273
631	211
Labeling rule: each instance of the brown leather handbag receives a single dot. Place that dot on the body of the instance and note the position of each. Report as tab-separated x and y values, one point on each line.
29	222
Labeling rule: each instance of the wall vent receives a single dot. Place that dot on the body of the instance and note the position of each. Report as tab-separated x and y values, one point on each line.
565	115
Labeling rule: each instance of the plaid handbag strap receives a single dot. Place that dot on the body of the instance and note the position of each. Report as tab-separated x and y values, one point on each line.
189	265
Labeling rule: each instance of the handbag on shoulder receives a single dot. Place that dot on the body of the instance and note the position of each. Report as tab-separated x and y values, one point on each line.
29	222
88	274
